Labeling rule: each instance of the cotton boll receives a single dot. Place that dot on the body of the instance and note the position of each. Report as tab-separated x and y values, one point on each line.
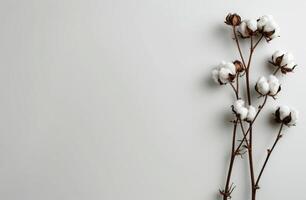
247	28
286	115
277	54
252	24
284	111
242	29
242	112
224	75
238	104
251	113
262	21
273	85
287	58
267	25
215	75
231	67
227	71
270	26
262	86
285	61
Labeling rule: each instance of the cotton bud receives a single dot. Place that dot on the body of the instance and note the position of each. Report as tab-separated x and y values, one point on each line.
233	19
239	66
224	73
268	87
247	28
247	114
286	115
283	60
268	27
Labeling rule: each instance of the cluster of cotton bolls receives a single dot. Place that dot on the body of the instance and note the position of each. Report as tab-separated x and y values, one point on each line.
283	60
247	114
286	115
265	25
270	86
224	73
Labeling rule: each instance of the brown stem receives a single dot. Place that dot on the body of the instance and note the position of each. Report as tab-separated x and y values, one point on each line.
243	132
227	191
235	90
247	72
250	146
268	155
238	46
247	132
237	85
258	41
277	69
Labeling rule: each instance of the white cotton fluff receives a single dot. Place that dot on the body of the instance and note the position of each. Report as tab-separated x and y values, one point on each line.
251	113
270	86
267	24
284	111
287	58
262	21
215	75
291	65
243	112
273	85
262	86
242	29
237	104
294	116
240	110
224	74
250	24
277	54
223	71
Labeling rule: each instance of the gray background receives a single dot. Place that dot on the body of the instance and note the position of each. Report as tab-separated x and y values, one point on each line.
112	100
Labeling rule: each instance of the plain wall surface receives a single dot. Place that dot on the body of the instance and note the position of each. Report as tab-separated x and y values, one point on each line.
112	100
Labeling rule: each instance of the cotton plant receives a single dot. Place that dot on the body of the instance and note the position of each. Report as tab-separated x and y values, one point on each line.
267	87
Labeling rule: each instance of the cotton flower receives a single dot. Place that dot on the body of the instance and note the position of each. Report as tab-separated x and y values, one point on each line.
283	60
244	113
233	19
247	28
268	87
286	115
268	27
224	73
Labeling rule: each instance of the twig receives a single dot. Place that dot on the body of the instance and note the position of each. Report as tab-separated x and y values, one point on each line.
238	46
247	132
227	191
268	155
